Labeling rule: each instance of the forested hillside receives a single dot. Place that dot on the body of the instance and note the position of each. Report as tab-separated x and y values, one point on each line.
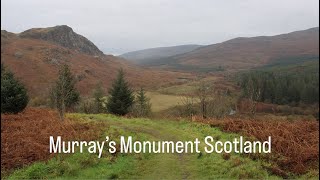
283	84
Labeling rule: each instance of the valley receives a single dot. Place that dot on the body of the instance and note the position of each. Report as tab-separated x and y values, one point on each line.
253	87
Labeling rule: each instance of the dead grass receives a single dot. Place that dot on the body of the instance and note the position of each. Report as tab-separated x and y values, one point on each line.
295	144
161	102
25	136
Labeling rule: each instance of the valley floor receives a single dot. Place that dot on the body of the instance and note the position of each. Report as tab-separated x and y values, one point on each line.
148	166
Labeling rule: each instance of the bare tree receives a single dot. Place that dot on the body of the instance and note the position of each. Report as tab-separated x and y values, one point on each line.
219	105
188	104
204	91
254	93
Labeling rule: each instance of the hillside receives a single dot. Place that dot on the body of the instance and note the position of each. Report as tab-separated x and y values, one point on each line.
243	53
35	61
154	54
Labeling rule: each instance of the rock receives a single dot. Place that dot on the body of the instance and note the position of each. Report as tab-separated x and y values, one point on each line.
56	55
64	36
18	54
54	61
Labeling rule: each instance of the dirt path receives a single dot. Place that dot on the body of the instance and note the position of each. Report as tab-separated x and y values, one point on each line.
159	166
184	166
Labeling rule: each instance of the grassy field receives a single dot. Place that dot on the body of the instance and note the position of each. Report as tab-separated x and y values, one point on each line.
188	87
168	97
148	166
161	102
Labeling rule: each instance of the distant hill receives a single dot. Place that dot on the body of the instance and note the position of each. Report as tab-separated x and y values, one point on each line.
153	54
35	55
244	53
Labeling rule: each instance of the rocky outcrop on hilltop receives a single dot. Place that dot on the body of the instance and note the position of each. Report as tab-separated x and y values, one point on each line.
64	36
5	34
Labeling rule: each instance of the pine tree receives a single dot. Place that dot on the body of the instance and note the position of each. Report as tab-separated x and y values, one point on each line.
64	94
142	106
98	95
121	97
14	97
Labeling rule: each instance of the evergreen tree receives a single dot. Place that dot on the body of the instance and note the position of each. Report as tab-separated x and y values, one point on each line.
98	95
64	94
142	107
121	97
14	96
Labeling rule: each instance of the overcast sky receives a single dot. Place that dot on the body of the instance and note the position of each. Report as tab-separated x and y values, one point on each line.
118	26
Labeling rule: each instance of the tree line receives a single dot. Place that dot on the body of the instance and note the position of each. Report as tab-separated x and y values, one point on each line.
64	96
281	87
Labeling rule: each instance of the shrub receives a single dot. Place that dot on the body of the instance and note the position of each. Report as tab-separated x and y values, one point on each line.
285	109
85	106
39	102
189	107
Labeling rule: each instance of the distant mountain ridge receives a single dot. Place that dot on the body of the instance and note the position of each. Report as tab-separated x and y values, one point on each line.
153	54
243	53
64	36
